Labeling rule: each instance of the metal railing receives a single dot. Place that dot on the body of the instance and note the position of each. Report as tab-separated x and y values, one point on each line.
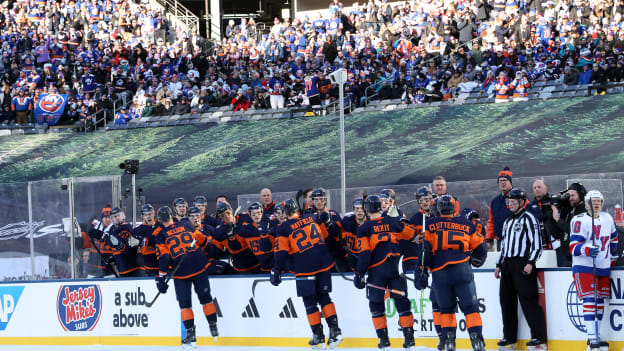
375	90
183	15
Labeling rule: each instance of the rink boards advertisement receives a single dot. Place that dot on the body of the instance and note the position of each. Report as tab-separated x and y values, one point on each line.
251	311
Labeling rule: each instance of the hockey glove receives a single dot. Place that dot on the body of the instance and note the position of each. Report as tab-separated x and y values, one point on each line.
592	251
421	280
229	230
359	281
276	277
326	219
133	242
161	284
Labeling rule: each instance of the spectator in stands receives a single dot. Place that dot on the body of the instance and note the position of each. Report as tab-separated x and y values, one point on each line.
586	75
570	76
240	101
182	107
21	106
122	117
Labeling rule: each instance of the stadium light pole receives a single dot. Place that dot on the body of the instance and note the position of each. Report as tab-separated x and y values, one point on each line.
340	77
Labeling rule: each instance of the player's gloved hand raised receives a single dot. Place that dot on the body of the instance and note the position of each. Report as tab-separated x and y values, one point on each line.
133	242
421	280
359	280
325	218
229	230
275	277
593	251
161	284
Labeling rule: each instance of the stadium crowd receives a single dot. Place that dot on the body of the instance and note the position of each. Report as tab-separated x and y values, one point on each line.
417	51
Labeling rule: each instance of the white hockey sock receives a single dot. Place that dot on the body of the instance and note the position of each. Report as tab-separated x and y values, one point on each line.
589	314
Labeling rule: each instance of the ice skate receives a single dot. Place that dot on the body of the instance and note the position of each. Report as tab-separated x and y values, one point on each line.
604	346
408	342
506	345
441	342
596	345
449	345
317	342
477	342
536	345
384	341
335	337
190	341
213	330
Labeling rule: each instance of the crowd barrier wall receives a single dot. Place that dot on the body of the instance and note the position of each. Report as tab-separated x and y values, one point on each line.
255	313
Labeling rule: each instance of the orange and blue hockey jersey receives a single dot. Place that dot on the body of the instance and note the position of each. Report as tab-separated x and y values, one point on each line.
410	249
174	242
243	259
260	240
126	257
348	225
449	240
303	240
378	239
149	252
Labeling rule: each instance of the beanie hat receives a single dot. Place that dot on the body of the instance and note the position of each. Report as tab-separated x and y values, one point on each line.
505	173
106	210
580	188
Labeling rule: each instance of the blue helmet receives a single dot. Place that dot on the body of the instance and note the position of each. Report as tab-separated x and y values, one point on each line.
469	213
222	207
193	210
422	192
147	208
290	207
446	205
372	204
164	214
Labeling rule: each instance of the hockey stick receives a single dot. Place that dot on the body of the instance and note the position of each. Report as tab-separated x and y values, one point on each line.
110	263
169	276
595	279
393	291
401	271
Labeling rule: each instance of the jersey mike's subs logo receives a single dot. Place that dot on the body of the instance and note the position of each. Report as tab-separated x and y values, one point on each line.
78	307
51	103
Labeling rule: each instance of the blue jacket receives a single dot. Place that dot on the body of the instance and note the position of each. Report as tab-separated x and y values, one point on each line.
498	214
585	77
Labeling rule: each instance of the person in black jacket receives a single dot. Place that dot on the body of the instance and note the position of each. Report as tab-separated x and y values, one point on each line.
562	213
182	107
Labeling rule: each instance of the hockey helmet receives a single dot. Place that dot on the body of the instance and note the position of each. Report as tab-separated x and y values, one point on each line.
290	207
387	194
372	204
147	208
518	194
593	194
200	200
164	214
446	205
318	193
222	207
422	192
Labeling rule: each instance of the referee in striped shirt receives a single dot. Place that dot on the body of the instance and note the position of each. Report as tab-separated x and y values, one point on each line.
521	247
